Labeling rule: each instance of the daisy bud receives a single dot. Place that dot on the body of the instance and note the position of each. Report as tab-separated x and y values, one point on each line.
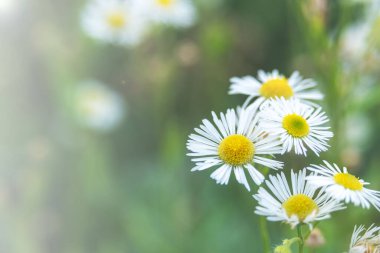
315	239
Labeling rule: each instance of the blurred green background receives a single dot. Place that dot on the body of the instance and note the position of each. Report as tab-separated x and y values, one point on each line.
70	189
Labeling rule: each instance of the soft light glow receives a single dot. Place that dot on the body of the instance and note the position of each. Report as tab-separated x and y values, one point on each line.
99	107
7	6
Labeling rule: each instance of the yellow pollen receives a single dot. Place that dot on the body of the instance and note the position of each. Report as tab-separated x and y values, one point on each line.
236	150
299	205
165	3
116	19
348	181
278	87
296	125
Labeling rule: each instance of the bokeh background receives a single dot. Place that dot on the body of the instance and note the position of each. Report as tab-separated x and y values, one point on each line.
68	188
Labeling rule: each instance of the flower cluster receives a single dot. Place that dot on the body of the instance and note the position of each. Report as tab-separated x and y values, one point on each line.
126	22
280	115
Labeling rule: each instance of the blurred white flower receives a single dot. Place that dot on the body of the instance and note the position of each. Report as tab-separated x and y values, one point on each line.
365	241
98	107
358	128
114	21
356	38
354	41
180	13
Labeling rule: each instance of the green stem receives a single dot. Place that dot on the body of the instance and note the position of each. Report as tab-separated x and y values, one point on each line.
265	238
301	242
265	235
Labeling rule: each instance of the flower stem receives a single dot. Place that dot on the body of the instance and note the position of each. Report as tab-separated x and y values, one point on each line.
301	242
265	238
265	235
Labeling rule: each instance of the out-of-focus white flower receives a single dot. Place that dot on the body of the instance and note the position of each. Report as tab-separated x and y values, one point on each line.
356	38
358	128
114	21
367	242
97	106
354	41
180	13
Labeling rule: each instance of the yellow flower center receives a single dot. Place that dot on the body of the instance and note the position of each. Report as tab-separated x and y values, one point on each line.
278	87
236	150
299	205
165	3
296	125
348	181
116	19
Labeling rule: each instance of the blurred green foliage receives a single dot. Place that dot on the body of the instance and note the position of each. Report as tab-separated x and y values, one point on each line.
73	190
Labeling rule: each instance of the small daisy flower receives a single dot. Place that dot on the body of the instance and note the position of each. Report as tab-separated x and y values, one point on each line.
365	241
114	21
299	126
97	106
179	13
344	186
273	84
295	204
233	143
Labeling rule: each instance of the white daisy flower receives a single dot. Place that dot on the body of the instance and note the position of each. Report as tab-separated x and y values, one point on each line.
180	13
299	126
233	143
296	204
344	186
114	21
365	241
273	84
97	106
